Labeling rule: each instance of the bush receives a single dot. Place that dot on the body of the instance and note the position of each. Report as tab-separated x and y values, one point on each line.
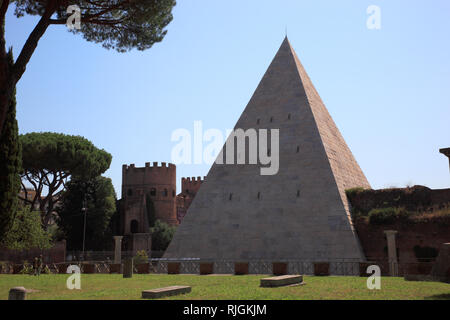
26	232
352	191
387	215
162	234
141	257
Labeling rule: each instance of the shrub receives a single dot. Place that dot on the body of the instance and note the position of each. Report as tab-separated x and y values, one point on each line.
26	232
352	191
162	234
141	257
387	215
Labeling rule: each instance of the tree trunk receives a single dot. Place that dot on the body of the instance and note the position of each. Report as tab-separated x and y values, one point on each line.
10	76
5	92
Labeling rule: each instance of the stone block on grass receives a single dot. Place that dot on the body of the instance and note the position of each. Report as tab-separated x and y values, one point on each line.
17	293
281	281
165	292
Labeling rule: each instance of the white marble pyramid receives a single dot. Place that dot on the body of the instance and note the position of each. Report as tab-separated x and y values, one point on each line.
299	213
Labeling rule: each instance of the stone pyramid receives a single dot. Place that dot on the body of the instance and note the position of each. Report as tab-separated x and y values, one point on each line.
299	213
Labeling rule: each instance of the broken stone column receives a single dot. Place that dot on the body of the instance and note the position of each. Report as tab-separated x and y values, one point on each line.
118	249
17	293
392	252
441	268
446	152
128	268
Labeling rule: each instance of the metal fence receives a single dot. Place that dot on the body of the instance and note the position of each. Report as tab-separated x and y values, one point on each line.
256	266
336	267
101	262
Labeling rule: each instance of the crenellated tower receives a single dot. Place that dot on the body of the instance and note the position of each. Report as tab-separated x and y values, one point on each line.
189	188
159	183
191	185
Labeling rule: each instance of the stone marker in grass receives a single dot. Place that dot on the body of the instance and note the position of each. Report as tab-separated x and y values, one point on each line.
281	281
128	268
165	292
17	293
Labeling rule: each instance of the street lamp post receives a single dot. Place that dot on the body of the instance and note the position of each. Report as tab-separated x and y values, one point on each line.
84	209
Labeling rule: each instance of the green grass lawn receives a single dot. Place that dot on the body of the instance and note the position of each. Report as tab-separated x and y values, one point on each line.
105	286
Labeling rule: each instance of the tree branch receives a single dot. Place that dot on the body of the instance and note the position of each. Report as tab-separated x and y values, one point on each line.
4	4
93	21
32	42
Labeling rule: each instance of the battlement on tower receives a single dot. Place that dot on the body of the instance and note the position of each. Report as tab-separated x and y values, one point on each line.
149	165
193	179
191	185
156	180
152	175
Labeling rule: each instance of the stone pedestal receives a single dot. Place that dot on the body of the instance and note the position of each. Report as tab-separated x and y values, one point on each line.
206	268
392	252
17	293
321	268
241	268
279	268
118	249
128	268
441	268
173	268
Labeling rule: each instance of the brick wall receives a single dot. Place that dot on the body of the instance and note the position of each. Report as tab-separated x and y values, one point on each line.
430	234
417	198
53	255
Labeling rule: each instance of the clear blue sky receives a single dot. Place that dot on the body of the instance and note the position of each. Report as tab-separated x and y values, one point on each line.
387	90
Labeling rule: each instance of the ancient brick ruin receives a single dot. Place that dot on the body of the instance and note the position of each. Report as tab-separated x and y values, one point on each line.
152	188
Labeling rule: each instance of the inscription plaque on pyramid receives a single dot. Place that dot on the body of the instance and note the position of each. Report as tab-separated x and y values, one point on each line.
299	213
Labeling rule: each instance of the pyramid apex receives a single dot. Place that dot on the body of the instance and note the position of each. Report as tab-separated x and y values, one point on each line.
287	43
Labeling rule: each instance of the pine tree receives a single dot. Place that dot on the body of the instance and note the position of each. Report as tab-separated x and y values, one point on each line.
10	167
